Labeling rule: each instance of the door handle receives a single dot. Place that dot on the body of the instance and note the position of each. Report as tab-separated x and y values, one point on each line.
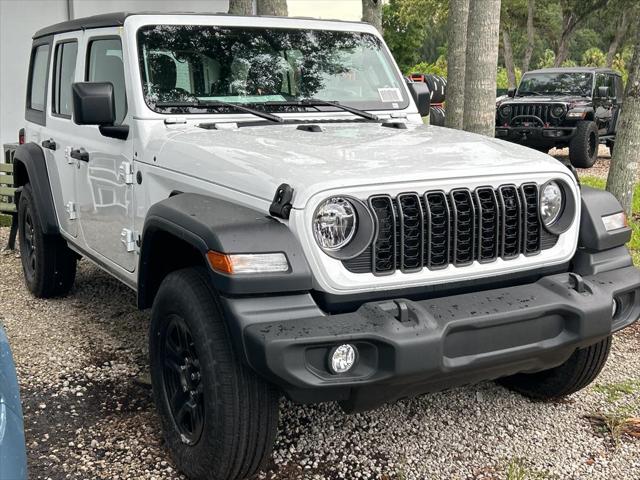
80	154
49	144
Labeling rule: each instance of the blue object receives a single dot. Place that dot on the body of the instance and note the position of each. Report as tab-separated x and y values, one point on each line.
13	454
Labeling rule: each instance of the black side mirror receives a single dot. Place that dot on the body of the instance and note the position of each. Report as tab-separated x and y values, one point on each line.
94	104
422	96
603	92
511	92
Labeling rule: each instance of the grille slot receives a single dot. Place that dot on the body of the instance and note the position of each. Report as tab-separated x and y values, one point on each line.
437	211
531	221
439	229
411	232
488	224
384	249
511	221
464	226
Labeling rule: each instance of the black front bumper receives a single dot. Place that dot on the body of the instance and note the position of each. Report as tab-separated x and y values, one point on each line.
411	347
536	135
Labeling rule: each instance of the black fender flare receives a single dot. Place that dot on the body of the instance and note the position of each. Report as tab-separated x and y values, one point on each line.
208	223
29	166
593	236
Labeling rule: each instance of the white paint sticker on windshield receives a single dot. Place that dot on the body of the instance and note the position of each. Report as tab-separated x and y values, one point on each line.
389	95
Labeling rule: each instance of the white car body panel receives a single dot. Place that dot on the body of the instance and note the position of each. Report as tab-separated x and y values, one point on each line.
245	166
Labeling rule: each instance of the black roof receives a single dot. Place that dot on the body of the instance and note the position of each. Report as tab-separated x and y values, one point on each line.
575	69
97	21
116	19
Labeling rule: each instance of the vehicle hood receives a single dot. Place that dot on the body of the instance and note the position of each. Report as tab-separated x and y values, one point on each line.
546	99
257	159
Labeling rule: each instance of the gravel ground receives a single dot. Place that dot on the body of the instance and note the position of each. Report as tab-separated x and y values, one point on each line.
82	366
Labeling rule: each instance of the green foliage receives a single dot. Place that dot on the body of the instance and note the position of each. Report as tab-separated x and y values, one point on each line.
5	220
593	57
547	60
503	79
439	67
409	26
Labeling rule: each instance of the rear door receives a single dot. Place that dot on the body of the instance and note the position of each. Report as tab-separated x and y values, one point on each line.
104	177
60	133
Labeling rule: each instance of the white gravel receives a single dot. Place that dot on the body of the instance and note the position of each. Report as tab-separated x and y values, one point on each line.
82	365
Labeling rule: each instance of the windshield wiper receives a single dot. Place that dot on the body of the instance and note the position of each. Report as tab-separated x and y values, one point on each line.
315	102
218	103
524	94
356	111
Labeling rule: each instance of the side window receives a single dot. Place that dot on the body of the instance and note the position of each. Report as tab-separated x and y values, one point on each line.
105	65
619	87
65	69
38	76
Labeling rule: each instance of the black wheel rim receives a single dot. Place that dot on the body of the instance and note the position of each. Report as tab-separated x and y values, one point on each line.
28	244
182	380
592	145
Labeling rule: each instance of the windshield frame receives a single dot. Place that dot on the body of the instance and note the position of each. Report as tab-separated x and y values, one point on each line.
592	74
301	24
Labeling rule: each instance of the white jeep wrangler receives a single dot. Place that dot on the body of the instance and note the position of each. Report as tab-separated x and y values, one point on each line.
268	188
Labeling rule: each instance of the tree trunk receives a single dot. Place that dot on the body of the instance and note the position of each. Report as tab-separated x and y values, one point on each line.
273	7
621	31
483	38
623	172
372	13
569	22
531	34
507	50
456	61
241	7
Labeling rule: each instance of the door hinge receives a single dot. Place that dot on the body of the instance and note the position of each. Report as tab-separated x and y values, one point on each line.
71	211
67	154
126	173
127	237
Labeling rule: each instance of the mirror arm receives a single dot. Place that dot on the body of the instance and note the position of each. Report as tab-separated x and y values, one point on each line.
121	132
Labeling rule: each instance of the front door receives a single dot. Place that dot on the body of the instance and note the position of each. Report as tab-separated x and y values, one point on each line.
104	165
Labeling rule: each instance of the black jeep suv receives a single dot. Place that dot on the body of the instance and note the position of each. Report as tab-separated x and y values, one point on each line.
563	107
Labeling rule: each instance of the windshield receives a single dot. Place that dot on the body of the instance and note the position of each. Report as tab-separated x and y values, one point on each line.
187	68
565	83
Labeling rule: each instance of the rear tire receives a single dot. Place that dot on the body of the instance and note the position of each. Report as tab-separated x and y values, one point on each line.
583	148
219	418
49	265
577	372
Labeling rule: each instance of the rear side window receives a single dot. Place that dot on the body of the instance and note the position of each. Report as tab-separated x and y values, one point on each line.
38	84
65	70
105	65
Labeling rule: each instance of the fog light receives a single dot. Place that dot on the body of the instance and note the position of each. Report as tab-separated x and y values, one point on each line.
615	307
342	358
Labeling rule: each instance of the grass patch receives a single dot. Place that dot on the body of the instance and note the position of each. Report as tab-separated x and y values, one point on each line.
5	220
634	222
617	423
518	470
615	391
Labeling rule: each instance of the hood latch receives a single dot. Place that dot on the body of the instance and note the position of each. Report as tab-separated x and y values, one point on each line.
281	205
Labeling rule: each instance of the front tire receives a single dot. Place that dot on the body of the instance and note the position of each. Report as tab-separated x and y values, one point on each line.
577	372
49	265
583	148
219	418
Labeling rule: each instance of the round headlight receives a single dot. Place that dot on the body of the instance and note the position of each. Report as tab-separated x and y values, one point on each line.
505	111
557	111
334	223
551	203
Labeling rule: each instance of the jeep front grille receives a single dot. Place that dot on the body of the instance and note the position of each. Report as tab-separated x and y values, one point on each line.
542	111
438	229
